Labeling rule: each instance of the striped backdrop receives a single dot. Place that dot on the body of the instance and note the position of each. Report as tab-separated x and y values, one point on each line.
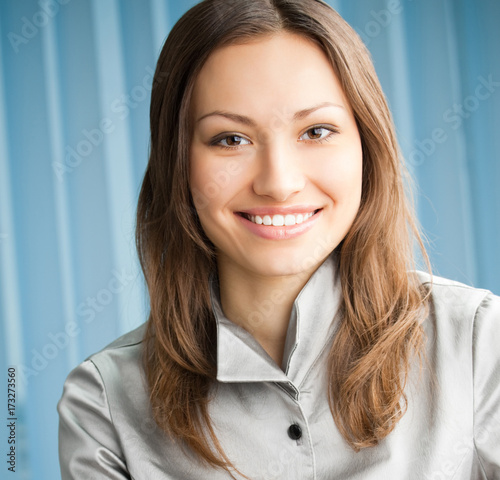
75	81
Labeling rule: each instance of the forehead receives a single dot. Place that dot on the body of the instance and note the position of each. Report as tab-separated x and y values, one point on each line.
281	72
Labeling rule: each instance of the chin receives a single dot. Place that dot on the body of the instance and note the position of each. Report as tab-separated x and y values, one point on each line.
283	263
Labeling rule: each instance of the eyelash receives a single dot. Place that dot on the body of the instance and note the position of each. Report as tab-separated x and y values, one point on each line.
216	141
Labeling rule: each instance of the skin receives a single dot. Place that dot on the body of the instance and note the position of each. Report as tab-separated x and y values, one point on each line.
298	144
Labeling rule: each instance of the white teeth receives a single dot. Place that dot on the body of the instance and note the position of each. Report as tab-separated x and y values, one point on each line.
280	220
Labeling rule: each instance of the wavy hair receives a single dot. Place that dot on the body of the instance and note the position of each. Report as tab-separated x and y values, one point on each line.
380	332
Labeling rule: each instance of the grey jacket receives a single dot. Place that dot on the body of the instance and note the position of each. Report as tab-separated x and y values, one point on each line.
275	423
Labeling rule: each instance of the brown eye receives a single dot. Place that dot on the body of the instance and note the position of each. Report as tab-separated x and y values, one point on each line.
315	133
233	140
318	133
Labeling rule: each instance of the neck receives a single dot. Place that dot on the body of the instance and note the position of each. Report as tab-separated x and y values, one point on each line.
261	305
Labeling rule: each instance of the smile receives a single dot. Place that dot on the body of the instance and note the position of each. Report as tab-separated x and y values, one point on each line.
280	224
279	220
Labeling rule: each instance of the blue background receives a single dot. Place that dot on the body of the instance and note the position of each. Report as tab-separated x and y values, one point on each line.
74	99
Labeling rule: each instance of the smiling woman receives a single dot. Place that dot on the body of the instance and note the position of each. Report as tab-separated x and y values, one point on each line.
299	183
288	333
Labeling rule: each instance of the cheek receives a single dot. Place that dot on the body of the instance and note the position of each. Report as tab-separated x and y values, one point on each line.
213	181
198	186
340	175
203	177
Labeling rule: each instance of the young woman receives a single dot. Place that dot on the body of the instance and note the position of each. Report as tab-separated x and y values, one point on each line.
289	336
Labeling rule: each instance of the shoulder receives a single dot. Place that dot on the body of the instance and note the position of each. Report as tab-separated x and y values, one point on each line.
104	401
119	365
450	298
123	350
113	373
462	319
463	328
442	285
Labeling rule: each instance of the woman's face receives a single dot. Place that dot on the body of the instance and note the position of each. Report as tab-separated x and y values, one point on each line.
276	157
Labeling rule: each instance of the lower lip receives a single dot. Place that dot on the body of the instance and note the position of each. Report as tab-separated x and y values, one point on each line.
284	232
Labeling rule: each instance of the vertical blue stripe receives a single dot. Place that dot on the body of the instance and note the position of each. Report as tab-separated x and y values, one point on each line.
64	238
12	344
457	90
55	122
122	196
161	23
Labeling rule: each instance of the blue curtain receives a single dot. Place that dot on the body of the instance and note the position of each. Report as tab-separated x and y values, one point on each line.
75	81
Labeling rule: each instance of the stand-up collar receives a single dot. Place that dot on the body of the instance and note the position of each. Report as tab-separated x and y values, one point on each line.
240	358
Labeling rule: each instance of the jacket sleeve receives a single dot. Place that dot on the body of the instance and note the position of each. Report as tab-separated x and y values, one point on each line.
88	443
486	371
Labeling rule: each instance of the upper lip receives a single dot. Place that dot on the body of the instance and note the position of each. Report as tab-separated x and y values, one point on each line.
280	210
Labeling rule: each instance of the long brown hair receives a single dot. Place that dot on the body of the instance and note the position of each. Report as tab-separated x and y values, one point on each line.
382	303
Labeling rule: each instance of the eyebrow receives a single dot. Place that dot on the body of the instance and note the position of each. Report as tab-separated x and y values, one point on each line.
301	114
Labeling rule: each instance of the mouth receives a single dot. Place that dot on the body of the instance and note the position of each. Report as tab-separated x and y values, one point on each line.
279	220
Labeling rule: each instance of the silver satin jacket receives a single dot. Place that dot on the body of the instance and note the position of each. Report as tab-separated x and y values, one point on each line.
275	423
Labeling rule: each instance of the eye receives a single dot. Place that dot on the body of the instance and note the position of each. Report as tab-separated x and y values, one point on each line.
231	141
318	133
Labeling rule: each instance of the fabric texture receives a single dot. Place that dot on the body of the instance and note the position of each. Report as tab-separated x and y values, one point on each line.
451	429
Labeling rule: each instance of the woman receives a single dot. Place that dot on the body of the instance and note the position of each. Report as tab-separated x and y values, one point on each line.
288	337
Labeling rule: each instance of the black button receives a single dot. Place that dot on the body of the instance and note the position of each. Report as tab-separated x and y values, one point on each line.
294	431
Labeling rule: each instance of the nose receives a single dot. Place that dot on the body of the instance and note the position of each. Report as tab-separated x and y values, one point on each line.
280	172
